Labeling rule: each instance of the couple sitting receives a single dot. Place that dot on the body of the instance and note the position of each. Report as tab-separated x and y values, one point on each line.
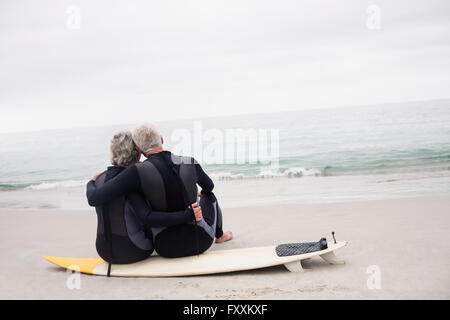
152	205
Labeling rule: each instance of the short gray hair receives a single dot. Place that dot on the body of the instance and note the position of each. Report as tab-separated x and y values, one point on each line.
123	149
146	137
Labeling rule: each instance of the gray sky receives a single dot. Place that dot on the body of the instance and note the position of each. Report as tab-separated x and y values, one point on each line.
155	60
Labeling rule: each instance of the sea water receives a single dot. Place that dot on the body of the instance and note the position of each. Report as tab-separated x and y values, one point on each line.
314	155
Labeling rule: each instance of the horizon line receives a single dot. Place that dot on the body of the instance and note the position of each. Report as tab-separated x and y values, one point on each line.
230	116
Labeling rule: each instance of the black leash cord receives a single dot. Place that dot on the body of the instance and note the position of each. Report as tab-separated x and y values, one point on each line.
108	235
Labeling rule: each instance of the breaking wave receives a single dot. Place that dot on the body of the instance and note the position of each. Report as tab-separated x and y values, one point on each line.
267	174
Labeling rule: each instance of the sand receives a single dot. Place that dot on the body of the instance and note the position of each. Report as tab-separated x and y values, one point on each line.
407	240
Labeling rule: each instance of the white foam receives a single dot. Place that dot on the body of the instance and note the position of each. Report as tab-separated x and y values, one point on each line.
300	172
226	176
58	185
296	172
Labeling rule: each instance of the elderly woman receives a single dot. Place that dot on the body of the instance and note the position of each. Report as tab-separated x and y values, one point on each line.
124	223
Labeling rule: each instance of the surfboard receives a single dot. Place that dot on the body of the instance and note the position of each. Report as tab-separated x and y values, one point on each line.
214	261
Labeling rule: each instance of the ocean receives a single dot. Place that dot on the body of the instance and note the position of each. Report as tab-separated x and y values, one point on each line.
313	155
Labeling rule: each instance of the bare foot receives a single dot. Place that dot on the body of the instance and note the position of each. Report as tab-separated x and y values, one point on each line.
226	236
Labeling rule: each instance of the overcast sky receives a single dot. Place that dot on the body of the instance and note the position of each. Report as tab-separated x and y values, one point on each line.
154	60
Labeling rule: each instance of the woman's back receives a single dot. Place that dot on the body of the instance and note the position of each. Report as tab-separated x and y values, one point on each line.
120	235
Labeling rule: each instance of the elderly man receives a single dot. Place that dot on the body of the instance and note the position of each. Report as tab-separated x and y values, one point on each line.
169	183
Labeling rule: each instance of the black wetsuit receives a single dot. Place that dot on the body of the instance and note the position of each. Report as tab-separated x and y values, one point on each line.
169	186
123	233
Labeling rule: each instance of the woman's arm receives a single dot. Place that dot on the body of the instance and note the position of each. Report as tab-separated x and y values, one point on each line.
125	182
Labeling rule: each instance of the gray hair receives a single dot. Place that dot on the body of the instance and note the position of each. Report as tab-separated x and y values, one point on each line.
146	137
123	149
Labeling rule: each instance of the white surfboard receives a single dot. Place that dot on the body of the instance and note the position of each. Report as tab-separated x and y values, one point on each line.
215	261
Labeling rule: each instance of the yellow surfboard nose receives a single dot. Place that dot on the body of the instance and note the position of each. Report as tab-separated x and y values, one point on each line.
83	265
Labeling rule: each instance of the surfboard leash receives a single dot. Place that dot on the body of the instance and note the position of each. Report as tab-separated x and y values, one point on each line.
108	236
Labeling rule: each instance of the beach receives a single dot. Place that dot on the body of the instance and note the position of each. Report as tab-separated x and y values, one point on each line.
405	239
304	124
